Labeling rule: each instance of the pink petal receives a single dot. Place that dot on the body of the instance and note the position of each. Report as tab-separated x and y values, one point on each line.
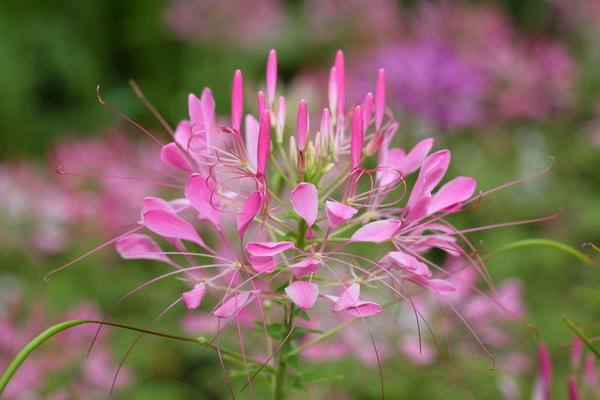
303	294
196	114
572	389
280	118
392	161
193	298
379	98
302	125
348	298
338	213
183	134
234	304
400	260
325	123
170	225
171	154
271	75
415	157
441	286
262	264
156	203
237	100
203	198
420	209
432	172
357	138
208	112
457	190
304	267
264	142
305	201
138	246
252	128
378	231
364	309
268	248
248	212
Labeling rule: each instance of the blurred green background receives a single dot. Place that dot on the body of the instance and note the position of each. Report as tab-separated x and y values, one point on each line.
53	54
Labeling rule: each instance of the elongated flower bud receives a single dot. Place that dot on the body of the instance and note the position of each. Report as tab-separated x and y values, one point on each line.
302	125
367	110
358	136
280	119
261	103
379	98
271	76
333	90
264	142
341	81
237	100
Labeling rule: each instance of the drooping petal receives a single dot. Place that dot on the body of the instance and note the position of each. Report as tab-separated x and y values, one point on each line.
268	248
168	224
348	298
303	294
156	203
202	197
338	213
379	98
264	142
364	309
171	154
441	286
248	212
193	298
457	190
357	138
304	267
403	261
305	202
234	304
262	264
302	125
237	100
251	130
138	246
377	231
271	75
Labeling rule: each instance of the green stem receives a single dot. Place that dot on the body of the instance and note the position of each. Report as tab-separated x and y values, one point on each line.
14	365
546	243
280	384
582	336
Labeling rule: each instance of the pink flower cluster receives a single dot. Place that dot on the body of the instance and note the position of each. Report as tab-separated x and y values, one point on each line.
34	379
461	65
323	218
42	209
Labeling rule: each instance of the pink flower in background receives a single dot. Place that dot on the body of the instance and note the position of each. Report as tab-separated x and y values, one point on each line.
237	23
461	65
63	353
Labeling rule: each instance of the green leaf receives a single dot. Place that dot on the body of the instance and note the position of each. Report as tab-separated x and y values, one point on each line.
291	215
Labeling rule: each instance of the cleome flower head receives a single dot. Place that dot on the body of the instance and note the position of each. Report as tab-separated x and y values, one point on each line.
272	219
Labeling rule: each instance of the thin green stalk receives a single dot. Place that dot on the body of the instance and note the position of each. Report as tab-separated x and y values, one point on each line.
546	243
582	336
280	381
14	365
